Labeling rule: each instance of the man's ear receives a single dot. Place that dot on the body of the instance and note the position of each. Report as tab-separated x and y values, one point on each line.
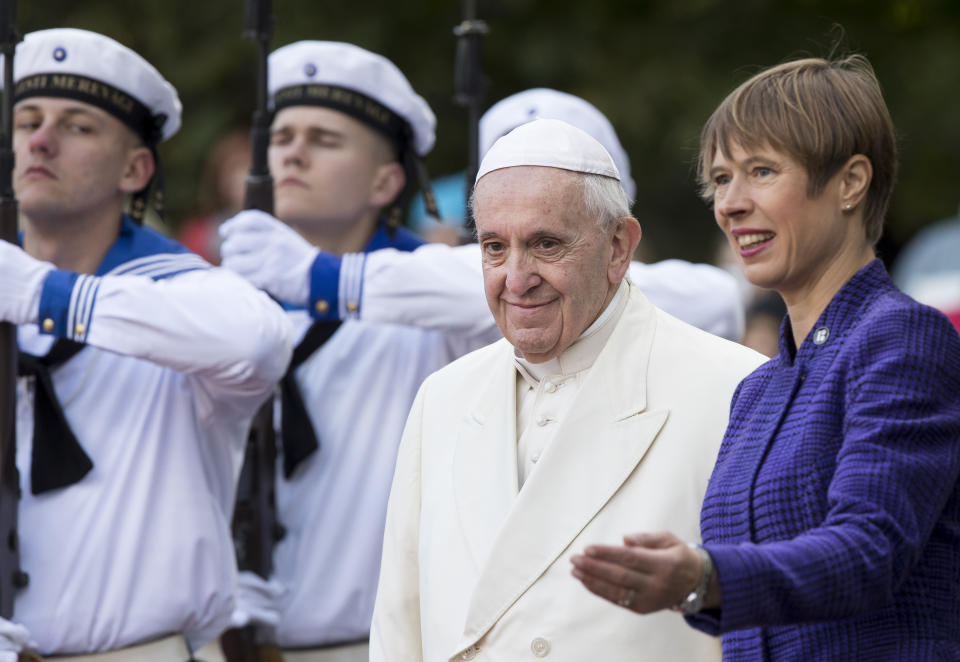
139	169
388	181
623	242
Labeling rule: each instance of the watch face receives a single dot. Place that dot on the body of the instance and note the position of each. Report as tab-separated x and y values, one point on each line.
693	602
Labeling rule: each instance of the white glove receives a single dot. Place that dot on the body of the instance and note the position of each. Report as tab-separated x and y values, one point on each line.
269	254
257	600
13	639
21	281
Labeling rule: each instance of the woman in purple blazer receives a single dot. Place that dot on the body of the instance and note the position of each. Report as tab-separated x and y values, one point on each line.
831	524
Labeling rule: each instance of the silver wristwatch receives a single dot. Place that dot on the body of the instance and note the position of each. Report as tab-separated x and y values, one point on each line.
693	603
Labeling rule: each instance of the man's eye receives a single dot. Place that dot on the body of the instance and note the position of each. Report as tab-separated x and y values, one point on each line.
548	244
79	129
492	247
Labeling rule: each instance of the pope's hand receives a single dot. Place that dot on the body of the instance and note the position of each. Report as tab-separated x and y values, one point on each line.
269	254
21	281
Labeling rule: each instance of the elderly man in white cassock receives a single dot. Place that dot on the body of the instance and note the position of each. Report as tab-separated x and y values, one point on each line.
597	413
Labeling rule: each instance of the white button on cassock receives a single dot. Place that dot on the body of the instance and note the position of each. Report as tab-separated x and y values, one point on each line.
469	653
540	647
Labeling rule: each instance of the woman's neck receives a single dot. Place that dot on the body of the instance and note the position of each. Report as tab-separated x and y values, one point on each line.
806	304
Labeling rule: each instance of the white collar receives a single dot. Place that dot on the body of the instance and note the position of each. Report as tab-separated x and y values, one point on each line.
582	353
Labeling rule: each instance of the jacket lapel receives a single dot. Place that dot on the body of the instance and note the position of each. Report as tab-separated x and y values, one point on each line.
597	447
759	434
485	462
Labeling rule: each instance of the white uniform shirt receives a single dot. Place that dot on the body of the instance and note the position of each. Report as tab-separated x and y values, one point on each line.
358	388
441	287
179	356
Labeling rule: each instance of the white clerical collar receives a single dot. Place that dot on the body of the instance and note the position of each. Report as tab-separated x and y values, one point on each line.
585	349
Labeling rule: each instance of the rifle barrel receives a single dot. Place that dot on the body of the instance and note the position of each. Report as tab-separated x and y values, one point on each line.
468	85
11	577
255	527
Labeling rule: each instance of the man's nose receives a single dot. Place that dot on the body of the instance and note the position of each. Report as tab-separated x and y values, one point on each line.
522	273
295	153
42	139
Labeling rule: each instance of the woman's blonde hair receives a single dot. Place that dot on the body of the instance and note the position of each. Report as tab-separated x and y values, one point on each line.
820	113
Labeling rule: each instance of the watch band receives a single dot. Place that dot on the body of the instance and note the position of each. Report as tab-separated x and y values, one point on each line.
693	603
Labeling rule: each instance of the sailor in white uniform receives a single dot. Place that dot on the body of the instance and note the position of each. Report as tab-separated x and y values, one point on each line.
141	367
440	287
346	141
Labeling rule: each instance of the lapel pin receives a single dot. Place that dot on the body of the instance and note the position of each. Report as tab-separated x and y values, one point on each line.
820	335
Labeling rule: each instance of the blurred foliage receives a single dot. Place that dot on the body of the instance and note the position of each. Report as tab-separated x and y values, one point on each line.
657	68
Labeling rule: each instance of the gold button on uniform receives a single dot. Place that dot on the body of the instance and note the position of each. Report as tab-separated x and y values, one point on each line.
79	329
322	306
540	647
48	325
352	306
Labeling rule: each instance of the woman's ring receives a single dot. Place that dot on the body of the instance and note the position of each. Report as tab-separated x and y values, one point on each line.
627	600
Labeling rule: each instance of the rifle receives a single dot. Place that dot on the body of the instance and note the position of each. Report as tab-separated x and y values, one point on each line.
255	527
469	86
11	577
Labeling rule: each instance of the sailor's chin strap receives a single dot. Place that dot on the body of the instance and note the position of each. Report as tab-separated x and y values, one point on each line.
416	171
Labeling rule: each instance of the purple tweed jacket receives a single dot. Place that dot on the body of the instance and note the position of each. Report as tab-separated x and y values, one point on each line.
833	512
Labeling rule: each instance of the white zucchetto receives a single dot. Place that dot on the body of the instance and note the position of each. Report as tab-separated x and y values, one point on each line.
550	143
522	107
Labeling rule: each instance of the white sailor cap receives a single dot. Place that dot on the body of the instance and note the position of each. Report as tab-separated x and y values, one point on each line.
522	107
89	67
550	143
364	85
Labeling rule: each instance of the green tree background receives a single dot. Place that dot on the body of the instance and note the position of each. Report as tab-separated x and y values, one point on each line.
657	68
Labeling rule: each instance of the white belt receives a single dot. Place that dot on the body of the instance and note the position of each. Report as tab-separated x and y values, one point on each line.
169	649
345	653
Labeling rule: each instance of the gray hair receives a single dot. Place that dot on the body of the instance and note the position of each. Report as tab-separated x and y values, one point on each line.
603	198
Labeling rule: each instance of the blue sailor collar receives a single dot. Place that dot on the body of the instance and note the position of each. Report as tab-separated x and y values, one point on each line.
401	238
135	241
132	242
